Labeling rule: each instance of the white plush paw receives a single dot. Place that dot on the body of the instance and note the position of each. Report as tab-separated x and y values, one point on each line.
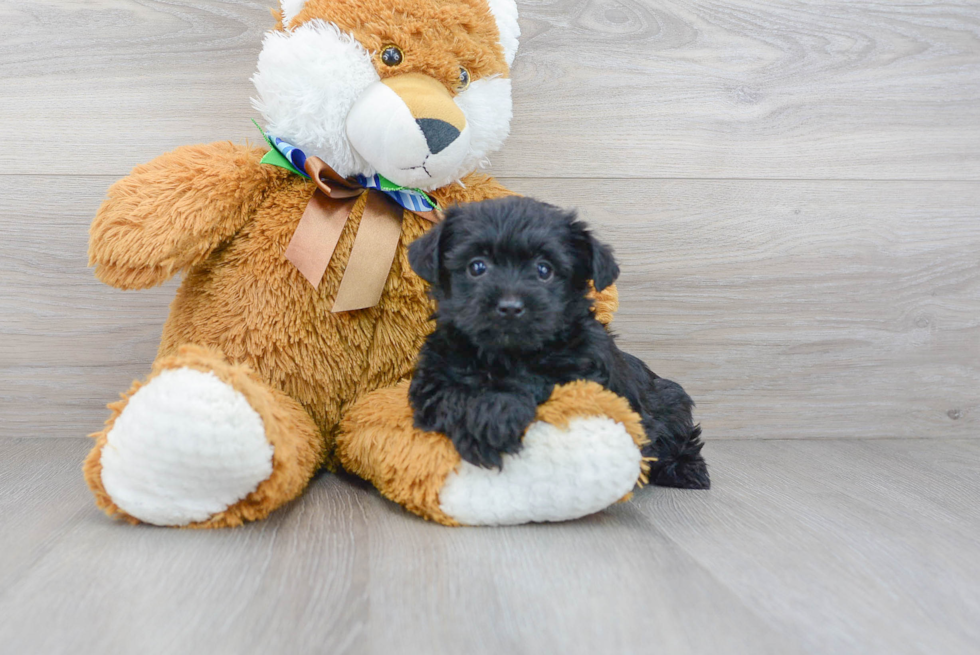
185	447
558	475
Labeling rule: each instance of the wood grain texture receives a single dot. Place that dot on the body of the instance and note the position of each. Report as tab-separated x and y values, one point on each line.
840	538
788	309
609	88
801	547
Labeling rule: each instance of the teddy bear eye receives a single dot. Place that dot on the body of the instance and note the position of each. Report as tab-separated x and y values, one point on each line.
477	267
464	79
392	55
545	271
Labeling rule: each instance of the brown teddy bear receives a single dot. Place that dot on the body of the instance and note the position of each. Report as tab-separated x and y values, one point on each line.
297	299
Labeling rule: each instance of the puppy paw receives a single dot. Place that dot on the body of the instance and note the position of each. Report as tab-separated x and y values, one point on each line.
480	453
493	426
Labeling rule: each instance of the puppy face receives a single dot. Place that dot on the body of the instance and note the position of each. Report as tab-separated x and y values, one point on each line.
509	273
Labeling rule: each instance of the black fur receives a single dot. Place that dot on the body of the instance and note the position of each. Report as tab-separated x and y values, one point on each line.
505	336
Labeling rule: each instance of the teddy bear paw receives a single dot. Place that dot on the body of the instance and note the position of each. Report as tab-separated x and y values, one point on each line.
185	447
559	474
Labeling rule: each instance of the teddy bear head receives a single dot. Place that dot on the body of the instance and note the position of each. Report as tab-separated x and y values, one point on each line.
417	91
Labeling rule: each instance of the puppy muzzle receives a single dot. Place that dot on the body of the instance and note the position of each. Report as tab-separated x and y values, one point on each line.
512	322
409	128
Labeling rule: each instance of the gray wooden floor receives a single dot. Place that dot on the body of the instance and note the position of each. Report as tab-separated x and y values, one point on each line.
793	189
829	546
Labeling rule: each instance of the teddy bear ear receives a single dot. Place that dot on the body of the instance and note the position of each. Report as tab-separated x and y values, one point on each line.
505	13
289	9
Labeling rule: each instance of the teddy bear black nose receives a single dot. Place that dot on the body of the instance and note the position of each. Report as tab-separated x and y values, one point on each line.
510	307
438	134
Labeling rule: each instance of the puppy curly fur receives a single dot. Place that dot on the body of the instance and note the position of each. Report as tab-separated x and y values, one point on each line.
511	279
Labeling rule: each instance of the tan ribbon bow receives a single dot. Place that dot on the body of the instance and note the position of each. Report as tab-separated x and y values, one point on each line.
375	243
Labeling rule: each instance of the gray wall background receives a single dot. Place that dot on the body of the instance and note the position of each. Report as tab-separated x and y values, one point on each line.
793	190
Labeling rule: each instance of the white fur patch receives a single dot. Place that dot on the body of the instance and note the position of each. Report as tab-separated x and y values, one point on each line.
559	475
489	109
307	81
290	8
505	13
186	447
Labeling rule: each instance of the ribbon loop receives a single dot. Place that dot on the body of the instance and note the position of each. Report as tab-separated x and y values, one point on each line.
329	181
319	230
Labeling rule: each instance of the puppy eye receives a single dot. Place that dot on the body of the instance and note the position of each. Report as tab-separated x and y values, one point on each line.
392	55
477	267
464	79
545	271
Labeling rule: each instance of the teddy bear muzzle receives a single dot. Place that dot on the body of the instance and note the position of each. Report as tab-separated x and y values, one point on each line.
410	129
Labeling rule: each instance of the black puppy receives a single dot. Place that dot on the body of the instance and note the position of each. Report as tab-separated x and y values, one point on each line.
511	278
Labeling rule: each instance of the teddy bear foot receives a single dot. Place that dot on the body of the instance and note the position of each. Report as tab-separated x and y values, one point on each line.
581	455
188	447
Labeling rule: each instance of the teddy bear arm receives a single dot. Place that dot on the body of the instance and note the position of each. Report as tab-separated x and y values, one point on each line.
172	212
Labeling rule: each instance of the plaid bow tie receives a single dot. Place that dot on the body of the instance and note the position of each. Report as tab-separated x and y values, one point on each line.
288	156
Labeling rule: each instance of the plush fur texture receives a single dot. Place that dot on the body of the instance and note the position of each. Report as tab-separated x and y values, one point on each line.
307	81
187	446
297	445
290	8
505	13
413	467
312	75
514	319
558	475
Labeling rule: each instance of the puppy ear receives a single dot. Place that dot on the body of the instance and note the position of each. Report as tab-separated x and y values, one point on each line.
424	255
596	259
605	270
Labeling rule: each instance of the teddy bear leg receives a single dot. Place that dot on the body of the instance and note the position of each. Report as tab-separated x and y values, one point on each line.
581	455
202	443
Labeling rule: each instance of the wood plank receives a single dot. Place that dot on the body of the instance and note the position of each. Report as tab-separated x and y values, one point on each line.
738	88
342	570
610	583
42	497
788	309
834	540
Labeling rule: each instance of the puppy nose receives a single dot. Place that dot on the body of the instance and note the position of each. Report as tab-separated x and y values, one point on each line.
510	307
438	134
